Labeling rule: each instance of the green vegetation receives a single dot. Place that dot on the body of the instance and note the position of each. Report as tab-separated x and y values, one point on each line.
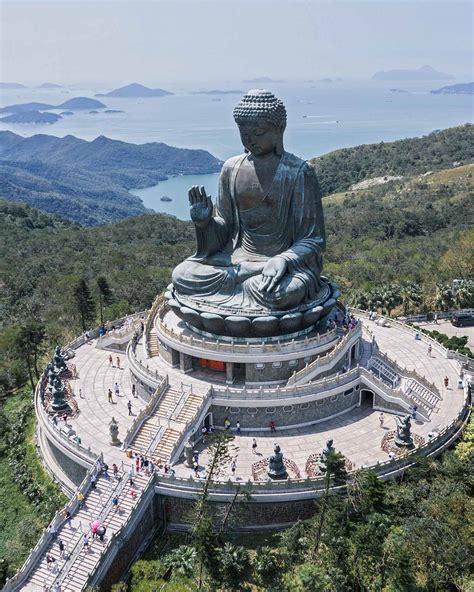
411	535
28	499
88	182
454	343
395	247
340	169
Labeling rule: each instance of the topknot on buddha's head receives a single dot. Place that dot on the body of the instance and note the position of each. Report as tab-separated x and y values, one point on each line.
260	105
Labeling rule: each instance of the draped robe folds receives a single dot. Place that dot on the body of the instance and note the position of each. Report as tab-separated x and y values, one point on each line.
232	250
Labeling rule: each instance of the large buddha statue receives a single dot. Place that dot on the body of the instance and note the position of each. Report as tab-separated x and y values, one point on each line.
257	267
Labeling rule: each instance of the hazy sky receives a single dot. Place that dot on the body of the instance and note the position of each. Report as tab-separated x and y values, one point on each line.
160	43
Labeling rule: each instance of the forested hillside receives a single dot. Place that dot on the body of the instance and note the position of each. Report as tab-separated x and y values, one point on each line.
88	181
340	169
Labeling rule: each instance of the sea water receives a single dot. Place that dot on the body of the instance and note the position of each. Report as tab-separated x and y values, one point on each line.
321	117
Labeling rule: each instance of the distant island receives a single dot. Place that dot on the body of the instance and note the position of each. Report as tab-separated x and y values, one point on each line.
134	91
37	112
47	85
114	111
465	88
262	80
165	198
423	73
330	80
19	107
398	90
88	182
31	116
6	85
218	92
81	103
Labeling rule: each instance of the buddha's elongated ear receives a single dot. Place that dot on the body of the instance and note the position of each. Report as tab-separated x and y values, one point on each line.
279	145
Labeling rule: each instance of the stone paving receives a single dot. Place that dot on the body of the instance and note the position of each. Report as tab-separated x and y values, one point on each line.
95	379
357	434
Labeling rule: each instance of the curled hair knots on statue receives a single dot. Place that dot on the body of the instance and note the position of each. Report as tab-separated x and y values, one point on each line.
260	105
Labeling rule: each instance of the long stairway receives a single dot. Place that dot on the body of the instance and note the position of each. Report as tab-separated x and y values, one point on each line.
152	343
190	407
162	452
420	395
74	569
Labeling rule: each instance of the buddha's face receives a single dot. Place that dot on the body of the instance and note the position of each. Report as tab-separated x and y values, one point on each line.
260	138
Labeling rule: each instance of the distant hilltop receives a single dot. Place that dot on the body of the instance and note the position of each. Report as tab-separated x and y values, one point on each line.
134	91
81	103
31	116
423	73
466	88
47	85
6	85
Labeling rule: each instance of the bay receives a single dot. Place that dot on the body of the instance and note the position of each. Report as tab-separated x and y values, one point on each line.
177	189
321	117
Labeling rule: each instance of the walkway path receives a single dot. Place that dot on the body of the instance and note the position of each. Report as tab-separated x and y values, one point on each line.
96	377
73	570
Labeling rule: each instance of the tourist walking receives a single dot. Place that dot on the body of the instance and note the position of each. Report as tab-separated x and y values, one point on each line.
134	390
93	480
117	389
57	587
111	361
254	446
381	419
227	423
446	381
414	410
196	469
50	562
109	396
115	471
115	502
85	543
237	425
233	466
130	477
129	405
429	350
61	548
68	518
272	426
137	463
118	362
80	499
80	394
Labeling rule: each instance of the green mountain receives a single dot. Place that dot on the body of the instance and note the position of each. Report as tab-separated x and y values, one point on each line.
88	181
340	169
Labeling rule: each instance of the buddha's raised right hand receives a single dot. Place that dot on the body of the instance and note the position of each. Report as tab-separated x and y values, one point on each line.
201	206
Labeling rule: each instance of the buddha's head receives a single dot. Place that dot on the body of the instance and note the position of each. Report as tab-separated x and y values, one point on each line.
261	118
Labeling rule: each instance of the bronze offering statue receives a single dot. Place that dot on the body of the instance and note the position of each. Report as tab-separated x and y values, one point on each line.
257	267
276	468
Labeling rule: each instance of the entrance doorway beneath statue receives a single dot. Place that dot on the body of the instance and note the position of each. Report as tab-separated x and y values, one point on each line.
366	398
208	421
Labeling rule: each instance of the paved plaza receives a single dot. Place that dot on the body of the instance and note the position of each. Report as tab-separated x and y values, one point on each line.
357	433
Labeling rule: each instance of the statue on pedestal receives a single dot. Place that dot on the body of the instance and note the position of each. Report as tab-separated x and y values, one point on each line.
114	430
276	468
58	390
257	267
404	439
59	360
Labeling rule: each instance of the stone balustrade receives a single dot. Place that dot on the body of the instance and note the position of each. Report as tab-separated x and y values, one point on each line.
300	344
331	358
14	583
146	411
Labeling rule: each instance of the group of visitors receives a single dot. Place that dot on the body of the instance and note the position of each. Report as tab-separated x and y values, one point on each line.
111	362
238	428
